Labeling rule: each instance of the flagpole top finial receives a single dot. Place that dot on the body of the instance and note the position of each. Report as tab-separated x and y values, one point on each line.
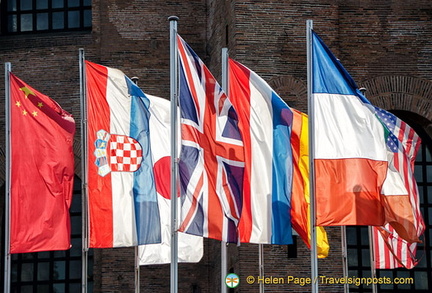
173	18
135	79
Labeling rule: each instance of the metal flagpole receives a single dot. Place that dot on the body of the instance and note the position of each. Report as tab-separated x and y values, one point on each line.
137	266
137	271
314	258
7	270
174	160
371	244
261	266
344	256
84	156
224	271
372	260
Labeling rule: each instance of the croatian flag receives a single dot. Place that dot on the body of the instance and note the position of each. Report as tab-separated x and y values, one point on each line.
190	247
265	121
122	200
352	168
212	157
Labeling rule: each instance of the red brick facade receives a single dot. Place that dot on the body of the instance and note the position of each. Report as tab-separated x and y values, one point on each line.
386	47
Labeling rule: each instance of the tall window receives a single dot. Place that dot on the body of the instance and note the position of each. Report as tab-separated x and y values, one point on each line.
54	271
24	16
358	241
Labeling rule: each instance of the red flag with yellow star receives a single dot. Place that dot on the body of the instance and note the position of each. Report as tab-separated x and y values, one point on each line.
42	171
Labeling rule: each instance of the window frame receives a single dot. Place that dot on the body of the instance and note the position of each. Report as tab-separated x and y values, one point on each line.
81	8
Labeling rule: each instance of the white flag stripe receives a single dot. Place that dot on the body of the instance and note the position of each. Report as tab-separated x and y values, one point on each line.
123	204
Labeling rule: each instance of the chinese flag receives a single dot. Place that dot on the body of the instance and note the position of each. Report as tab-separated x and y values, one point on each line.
42	171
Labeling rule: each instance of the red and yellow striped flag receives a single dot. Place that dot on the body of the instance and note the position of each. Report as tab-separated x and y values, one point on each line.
300	199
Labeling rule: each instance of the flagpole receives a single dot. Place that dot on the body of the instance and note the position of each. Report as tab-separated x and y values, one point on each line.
371	245
261	266
314	258
224	254
84	155
344	257
372	260
174	160
137	271
7	270
136	250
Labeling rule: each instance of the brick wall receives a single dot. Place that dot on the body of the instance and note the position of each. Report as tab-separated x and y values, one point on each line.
134	36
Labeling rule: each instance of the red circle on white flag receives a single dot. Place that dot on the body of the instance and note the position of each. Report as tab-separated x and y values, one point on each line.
162	176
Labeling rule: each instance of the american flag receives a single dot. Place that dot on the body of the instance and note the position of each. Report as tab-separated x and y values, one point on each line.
390	250
212	157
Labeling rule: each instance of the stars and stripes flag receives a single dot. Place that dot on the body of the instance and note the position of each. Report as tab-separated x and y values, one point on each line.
390	249
212	157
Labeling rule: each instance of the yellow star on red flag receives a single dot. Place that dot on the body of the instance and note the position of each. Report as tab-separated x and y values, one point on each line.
27	91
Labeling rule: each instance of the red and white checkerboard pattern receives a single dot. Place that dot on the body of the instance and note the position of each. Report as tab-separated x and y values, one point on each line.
125	153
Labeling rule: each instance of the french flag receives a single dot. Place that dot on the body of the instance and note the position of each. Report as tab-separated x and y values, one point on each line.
348	136
265	121
122	200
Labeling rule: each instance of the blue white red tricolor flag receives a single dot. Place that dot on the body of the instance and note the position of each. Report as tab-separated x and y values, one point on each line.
123	209
350	134
265	121
212	156
347	136
390	249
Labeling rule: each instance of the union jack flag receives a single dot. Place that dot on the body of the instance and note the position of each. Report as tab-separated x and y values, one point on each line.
211	163
390	250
